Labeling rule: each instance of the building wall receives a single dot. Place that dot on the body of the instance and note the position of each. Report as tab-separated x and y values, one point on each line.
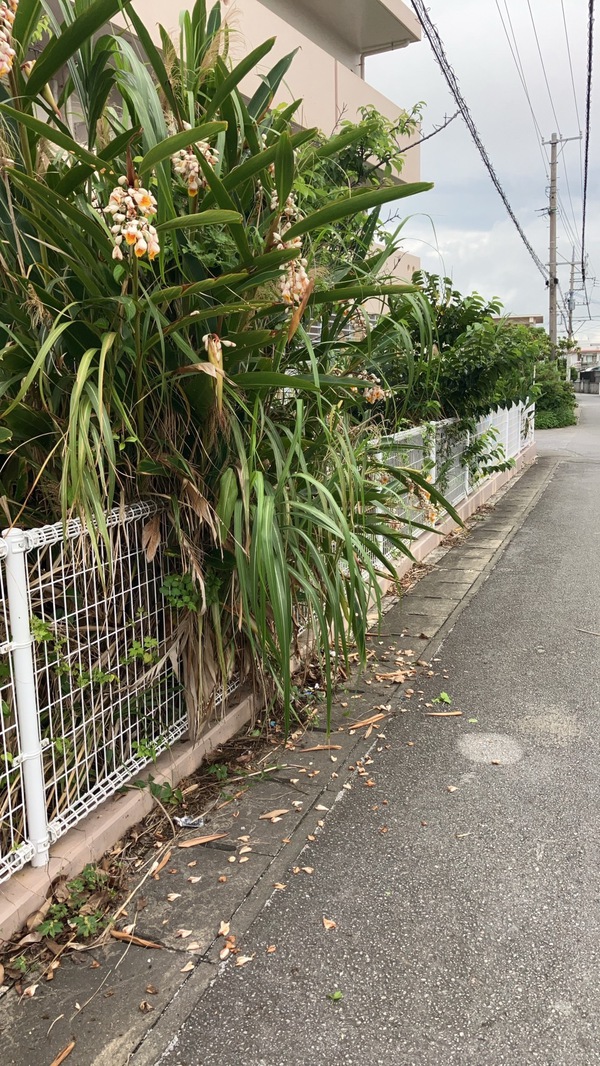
329	89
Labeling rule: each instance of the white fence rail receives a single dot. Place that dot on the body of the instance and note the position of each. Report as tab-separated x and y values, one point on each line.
89	694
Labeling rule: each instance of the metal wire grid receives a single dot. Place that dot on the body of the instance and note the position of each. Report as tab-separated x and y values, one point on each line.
451	473
109	700
15	850
407	449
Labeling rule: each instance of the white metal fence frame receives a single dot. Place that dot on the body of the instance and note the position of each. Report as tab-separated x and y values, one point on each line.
89	694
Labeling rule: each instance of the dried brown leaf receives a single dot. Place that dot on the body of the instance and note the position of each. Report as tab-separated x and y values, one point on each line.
172	896
271	815
187	968
328	923
201	840
224	929
443	714
324	747
64	1054
151	537
182	934
146	1007
242	960
131	939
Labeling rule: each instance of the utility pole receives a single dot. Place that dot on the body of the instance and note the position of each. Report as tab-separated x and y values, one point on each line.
553	280
571	296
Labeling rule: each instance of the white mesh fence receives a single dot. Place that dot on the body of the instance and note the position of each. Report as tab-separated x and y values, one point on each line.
105	664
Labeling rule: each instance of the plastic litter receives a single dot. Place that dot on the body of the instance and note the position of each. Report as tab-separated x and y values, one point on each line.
189	823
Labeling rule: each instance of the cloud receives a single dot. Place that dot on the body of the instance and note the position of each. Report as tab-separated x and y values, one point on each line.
470	230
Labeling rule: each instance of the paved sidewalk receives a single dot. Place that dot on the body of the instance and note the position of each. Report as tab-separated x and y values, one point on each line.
464	882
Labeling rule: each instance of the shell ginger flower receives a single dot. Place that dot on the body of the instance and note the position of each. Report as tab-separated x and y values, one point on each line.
185	163
8	10
131	209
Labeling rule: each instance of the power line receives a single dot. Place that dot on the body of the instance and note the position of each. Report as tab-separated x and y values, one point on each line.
537	41
438	50
514	50
562	4
588	112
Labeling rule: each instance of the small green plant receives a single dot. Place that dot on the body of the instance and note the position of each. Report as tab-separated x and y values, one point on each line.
86	925
165	792
145	650
180	592
219	770
19	964
146	749
443	698
336	996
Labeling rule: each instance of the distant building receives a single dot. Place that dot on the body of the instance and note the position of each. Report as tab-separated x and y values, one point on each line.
522	320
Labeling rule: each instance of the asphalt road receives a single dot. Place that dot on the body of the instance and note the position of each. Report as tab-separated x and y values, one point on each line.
464	882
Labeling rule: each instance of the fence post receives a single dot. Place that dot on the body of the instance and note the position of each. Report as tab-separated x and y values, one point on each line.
21	651
467	478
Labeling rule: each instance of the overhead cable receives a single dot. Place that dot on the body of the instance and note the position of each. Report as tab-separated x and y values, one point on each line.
588	113
438	50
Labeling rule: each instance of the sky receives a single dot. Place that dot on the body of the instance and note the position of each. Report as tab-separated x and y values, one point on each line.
462	229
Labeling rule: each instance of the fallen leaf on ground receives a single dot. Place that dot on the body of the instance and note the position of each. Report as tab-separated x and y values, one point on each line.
151	990
146	1007
201	840
368	721
443	714
194	945
224	954
172	896
161	865
271	949
131	939
307	869
496	762
188	966
245	858
328	923
324	747
452	788
271	815
224	929
278	885
182	934
243	959
223	879
245	849
62	1055
194	880
232	858
31	991
397	676
320	807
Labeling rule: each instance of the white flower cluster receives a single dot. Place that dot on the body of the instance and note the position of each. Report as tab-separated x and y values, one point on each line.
131	210
8	10
294	281
185	163
374	394
375	391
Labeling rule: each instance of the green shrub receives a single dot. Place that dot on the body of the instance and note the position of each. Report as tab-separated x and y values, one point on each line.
562	416
555	398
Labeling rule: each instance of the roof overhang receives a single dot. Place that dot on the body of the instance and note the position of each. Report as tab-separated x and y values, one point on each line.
364	27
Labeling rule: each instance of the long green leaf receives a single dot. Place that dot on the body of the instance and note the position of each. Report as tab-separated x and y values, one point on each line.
203	218
236	75
352	205
70	40
50	133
